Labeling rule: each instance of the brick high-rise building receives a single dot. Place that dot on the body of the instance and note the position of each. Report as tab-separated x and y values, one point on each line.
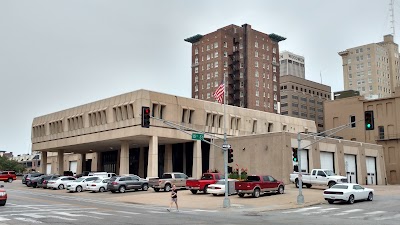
248	59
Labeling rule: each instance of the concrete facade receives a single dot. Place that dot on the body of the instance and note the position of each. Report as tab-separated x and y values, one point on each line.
109	133
387	125
292	64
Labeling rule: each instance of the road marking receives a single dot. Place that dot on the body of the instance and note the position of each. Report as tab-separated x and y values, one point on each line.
204	210
388	217
302	210
100	213
347	212
33	215
3	219
376	212
135	213
28	220
319	211
76	215
156	212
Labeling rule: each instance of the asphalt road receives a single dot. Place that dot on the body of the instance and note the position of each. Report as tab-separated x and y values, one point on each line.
37	206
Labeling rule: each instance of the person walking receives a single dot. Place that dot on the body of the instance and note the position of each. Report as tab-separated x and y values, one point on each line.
174	199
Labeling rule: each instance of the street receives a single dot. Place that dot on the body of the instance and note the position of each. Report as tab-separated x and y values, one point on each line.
42	206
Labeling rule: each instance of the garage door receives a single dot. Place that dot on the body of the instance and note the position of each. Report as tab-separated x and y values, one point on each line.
73	165
371	170
351	168
327	161
304	160
48	170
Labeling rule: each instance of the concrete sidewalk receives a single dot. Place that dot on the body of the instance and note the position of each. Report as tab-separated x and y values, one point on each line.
268	202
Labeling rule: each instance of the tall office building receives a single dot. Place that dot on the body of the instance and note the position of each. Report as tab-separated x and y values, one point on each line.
372	69
291	64
249	60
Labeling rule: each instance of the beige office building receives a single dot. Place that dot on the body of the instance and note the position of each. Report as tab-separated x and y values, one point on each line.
372	69
304	99
292	64
386	132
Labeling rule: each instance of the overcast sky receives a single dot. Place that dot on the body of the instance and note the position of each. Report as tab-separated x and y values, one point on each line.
59	54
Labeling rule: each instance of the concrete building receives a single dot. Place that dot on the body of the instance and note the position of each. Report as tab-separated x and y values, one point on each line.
249	60
292	64
372	69
109	133
6	154
387	126
304	99
30	161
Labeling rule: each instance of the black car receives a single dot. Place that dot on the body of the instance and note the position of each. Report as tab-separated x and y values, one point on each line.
28	177
42	180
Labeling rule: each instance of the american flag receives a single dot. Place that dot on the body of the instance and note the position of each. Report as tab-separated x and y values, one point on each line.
219	93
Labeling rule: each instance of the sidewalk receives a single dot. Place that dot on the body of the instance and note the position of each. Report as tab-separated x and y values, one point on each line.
264	203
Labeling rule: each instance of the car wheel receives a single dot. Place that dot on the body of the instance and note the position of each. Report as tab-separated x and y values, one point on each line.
156	189
331	201
256	193
193	191
102	189
351	199
78	189
10	180
3	203
61	186
296	183
215	194
205	189
241	195
167	188
121	189
145	187
330	184
281	189
308	185
370	196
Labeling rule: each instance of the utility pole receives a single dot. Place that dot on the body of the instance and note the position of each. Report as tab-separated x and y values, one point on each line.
300	197
227	202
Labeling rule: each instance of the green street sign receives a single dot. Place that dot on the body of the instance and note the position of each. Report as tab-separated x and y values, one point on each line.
197	136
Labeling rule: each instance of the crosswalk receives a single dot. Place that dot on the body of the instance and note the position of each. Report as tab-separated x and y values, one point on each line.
345	213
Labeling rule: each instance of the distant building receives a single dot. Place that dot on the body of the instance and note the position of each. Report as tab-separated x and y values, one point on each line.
30	161
372	69
249	60
345	94
291	64
5	154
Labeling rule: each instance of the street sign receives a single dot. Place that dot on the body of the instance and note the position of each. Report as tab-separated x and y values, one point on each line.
197	136
226	146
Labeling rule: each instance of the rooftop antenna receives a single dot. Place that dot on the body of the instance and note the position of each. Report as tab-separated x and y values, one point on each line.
392	22
320	75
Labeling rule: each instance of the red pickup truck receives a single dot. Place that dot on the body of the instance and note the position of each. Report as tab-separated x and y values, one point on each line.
201	185
257	185
8	176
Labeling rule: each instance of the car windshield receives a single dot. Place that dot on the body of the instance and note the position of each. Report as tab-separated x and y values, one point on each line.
79	180
339	186
329	173
221	182
207	177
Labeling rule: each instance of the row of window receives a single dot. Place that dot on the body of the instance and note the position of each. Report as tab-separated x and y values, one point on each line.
302	99
285	87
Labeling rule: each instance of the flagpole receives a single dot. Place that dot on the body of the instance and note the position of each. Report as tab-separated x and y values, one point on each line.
227	202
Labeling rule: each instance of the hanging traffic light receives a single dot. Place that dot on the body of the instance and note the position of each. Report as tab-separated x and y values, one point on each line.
145	116
230	155
295	159
369	120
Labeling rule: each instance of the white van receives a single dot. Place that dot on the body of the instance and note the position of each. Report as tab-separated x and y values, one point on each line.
102	174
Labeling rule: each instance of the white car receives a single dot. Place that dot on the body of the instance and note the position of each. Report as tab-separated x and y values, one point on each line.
99	185
219	187
81	184
348	193
59	182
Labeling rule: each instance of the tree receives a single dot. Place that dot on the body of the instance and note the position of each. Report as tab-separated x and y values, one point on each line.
9	164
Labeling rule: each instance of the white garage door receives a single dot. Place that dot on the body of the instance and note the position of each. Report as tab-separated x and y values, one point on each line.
73	166
371	170
327	161
351	168
304	160
48	170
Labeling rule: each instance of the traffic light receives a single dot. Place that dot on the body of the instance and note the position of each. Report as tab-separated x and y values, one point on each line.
369	120
230	155
145	116
295	159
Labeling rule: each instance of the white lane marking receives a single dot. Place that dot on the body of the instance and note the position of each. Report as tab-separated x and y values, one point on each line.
33	215
388	217
302	210
100	213
319	211
134	213
76	215
61	218
375	212
28	220
3	219
347	212
204	210
157	212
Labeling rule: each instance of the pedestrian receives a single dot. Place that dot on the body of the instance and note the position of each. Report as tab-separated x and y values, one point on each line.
174	199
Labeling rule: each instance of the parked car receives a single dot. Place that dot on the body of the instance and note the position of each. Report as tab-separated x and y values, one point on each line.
102	174
202	184
8	176
318	177
42	180
219	187
99	185
28	177
167	180
59	182
257	185
80	184
348	193
3	196
123	183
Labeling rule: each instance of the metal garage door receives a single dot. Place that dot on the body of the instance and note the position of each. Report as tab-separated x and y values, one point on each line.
304	160
327	161
351	168
371	170
48	170
73	166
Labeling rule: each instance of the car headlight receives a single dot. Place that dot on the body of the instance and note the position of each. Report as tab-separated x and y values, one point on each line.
3	193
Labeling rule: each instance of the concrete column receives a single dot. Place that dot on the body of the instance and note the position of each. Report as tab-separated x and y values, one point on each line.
43	163
211	164
82	164
95	161
60	161
196	172
141	162
184	158
168	159
152	166
124	158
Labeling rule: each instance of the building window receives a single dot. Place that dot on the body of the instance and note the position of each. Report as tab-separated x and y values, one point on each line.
256	63
381	131
256	44
352	121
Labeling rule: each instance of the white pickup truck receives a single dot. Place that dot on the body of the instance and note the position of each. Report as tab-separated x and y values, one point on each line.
318	177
